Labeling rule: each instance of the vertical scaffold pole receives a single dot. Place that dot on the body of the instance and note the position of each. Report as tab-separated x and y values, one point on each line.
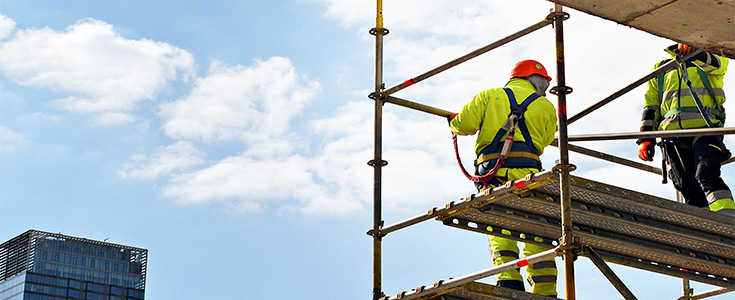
377	163
564	181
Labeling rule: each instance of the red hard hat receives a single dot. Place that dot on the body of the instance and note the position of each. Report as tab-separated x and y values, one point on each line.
527	68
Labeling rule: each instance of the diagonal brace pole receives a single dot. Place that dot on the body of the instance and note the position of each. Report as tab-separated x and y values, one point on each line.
456	282
614	279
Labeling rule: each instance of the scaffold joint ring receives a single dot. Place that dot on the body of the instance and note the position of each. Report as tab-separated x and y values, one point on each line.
379	31
564	89
554	14
373	162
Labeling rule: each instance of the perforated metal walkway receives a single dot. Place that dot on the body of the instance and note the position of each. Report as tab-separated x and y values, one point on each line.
481	291
622	226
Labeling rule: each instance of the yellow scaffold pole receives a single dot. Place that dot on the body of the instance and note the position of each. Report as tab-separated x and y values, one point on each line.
377	163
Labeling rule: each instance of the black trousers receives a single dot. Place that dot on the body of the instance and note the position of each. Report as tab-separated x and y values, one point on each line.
695	166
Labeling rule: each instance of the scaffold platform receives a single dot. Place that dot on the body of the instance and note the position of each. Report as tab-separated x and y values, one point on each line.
483	291
610	223
624	226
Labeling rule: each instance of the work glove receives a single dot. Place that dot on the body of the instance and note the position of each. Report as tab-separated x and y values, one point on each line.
684	49
450	118
646	150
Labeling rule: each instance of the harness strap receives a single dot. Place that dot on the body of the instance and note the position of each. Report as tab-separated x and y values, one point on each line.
515	154
713	111
718	111
518	110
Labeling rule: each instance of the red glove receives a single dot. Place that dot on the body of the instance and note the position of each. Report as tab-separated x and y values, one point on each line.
450	118
646	150
684	49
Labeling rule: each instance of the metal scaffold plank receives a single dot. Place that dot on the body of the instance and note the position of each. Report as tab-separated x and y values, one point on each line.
481	291
623	226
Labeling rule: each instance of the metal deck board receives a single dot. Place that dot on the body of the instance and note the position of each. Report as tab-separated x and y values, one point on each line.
482	291
625	226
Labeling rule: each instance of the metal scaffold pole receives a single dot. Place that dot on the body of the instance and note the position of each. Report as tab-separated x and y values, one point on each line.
377	163
567	240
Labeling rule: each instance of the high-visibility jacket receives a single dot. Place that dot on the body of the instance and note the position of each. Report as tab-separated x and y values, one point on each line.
669	105
488	111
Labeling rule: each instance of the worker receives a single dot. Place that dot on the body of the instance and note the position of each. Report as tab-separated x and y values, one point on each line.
695	162
488	112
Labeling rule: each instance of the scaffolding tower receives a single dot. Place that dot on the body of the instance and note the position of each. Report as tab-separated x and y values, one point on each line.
571	215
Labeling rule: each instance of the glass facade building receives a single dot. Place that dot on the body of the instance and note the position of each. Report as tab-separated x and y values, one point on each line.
40	265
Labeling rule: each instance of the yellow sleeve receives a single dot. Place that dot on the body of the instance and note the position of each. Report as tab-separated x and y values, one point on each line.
469	119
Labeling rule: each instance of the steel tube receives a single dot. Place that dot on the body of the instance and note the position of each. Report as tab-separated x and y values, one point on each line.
686	288
611	158
467	57
567	242
658	71
610	275
456	282
377	162
708	294
418	106
651	134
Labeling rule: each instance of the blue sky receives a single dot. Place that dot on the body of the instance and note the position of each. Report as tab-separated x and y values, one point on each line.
230	138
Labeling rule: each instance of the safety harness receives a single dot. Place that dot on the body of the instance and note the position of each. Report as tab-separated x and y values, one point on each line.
718	111
509	154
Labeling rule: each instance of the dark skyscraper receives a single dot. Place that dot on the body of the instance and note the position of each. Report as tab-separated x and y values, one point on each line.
39	265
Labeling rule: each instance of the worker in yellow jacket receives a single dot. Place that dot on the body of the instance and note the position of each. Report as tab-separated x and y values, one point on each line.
489	112
669	104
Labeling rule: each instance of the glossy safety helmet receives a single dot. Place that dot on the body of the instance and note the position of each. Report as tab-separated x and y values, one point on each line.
527	68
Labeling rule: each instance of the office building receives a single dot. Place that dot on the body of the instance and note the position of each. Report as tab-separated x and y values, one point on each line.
39	265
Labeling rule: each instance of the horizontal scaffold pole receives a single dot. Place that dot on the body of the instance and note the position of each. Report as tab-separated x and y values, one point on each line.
468	56
652	134
611	158
708	294
456	282
658	71
418	106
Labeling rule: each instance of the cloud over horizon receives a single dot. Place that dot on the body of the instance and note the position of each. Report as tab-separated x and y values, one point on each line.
230	141
101	72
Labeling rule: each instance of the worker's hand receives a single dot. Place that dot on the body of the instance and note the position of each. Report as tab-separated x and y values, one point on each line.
646	150
450	118
685	49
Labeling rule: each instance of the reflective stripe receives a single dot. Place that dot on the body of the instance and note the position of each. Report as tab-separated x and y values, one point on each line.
505	253
650	123
719	200
547	264
685	92
491	156
719	115
542	279
717	195
687	116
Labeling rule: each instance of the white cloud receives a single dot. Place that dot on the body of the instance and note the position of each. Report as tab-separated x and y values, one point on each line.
10	140
178	157
249	185
104	73
7	25
251	104
254	105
